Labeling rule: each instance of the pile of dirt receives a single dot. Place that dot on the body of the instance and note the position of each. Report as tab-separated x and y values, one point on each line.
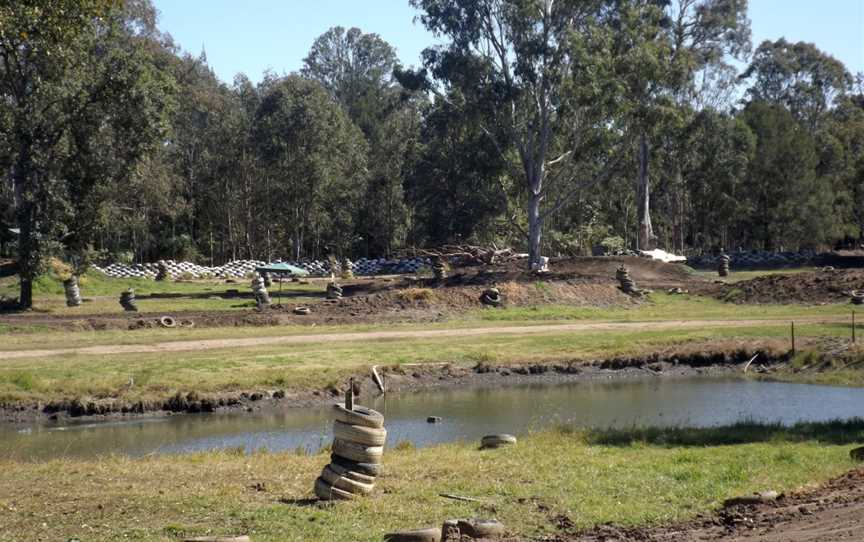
810	287
580	282
835	511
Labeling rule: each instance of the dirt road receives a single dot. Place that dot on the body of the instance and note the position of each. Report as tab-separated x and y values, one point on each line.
210	344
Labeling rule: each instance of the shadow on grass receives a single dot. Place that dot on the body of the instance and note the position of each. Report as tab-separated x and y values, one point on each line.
831	432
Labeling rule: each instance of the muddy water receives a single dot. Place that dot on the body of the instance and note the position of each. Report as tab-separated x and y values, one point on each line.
466	415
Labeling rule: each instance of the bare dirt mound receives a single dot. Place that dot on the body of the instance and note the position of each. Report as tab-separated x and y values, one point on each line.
810	287
581	282
832	512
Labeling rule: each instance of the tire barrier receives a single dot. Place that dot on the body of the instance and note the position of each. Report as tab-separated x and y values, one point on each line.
358	445
496	441
161	270
262	298
239	269
627	284
127	301
334	291
347	269
491	297
73	293
302	311
723	265
857	297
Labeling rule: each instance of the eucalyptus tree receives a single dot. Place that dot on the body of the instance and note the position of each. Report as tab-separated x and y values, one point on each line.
74	80
542	76
798	76
688	60
313	163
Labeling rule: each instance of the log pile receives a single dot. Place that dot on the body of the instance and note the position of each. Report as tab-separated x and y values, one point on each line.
469	255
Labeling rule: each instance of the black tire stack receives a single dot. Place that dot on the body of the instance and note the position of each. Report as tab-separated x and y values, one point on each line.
723	265
439	268
358	445
127	301
628	285
334	291
73	294
161	270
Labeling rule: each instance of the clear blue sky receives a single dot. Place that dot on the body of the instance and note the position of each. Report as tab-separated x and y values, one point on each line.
251	36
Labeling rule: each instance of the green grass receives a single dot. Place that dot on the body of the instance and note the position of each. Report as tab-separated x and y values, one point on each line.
531	487
316	364
663	306
101	294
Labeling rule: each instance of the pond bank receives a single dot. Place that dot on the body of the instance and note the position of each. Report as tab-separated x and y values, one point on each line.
693	360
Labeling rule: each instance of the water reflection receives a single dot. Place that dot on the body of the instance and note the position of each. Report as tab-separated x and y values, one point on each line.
467	415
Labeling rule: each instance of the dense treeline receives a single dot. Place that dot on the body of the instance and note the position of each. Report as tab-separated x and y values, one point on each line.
553	127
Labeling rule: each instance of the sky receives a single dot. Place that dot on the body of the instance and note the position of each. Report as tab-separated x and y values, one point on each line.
251	36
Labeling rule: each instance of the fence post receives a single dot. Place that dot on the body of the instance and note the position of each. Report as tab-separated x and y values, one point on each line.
853	326
793	338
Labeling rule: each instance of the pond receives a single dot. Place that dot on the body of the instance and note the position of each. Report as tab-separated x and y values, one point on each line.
467	414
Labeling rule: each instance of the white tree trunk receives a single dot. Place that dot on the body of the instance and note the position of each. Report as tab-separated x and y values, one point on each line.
646	239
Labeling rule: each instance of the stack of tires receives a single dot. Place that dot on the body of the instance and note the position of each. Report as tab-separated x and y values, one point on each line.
358	444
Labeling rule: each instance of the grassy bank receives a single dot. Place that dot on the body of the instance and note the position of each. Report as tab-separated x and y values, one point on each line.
551	482
317	363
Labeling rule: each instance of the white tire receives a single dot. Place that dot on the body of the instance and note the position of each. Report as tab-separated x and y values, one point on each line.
368	436
358	452
341	482
362	416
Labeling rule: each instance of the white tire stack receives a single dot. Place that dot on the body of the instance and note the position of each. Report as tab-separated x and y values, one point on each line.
358	445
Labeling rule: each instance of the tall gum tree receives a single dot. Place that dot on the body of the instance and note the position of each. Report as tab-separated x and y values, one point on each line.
541	73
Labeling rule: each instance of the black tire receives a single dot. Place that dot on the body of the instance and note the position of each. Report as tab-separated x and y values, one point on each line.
496	441
369	469
326	492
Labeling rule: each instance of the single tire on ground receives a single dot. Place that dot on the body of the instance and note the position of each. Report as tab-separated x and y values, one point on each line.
368	436
496	441
167	321
857	297
362	416
326	492
302	311
358	452
369	469
346	484
481	528
431	534
350	474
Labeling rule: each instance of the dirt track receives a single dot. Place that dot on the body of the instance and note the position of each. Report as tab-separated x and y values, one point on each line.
210	344
833	512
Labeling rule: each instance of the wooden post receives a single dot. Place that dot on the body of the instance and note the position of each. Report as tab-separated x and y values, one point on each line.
853	326
793	338
349	395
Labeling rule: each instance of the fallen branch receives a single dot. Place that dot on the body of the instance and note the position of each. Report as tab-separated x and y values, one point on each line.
378	381
458	497
751	361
